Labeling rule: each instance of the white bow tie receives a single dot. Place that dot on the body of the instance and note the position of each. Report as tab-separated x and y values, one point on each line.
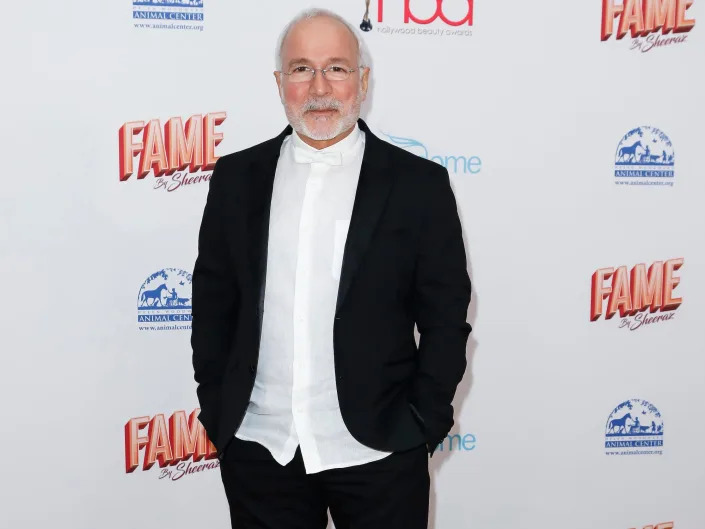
306	156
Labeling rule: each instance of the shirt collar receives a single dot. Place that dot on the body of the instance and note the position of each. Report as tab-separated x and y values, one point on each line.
348	146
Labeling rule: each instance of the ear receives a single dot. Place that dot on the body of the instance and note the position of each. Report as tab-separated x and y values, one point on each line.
278	77
364	80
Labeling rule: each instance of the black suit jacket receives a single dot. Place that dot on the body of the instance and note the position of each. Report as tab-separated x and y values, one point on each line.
403	264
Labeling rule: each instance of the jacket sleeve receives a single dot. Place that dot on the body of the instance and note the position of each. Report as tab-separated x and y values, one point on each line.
440	303
215	301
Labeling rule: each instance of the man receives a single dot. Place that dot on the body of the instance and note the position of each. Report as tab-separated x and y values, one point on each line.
318	252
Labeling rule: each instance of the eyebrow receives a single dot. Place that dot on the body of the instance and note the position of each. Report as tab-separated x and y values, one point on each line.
303	60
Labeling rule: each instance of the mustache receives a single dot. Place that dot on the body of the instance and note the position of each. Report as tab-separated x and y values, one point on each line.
322	104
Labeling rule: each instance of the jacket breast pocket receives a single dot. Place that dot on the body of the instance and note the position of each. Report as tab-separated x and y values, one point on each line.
340	234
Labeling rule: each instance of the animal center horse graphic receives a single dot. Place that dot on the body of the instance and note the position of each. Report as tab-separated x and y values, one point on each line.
158	297
645	146
637	153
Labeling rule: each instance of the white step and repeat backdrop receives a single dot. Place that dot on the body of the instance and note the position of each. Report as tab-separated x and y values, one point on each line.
573	133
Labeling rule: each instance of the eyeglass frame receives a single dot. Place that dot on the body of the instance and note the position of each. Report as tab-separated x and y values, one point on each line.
323	72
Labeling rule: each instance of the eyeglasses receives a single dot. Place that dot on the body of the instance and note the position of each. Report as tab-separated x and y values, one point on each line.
305	74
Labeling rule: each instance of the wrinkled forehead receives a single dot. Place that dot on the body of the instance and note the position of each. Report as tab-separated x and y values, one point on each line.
319	40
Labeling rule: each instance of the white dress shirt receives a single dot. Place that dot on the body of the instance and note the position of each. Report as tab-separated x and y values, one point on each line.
294	401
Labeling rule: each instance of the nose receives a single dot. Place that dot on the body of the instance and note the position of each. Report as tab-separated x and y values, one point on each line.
320	85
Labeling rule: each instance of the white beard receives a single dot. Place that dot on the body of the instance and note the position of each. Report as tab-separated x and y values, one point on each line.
330	127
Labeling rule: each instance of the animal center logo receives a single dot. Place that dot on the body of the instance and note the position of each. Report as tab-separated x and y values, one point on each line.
172	153
168	14
644	20
164	301
632	293
644	156
454	163
634	427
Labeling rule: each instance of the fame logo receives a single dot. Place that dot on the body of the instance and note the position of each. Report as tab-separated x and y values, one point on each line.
177	154
446	17
662	525
635	427
636	293
644	20
177	445
454	163
645	156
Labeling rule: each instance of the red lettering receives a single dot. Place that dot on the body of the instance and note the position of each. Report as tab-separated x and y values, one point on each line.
153	154
659	14
133	442
128	149
188	438
631	293
620	297
669	283
609	13
185	149
599	291
173	149
642	17
211	138
184	438
683	25
647	290
158	448
408	15
632	19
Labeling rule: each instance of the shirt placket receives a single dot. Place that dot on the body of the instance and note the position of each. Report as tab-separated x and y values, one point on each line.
302	375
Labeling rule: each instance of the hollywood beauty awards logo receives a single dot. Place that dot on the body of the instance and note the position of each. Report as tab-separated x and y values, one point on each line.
644	20
164	301
441	18
168	14
179	445
632	293
644	157
662	525
458	164
177	155
635	427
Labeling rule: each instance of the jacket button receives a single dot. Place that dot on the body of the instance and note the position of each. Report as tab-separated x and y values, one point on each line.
253	370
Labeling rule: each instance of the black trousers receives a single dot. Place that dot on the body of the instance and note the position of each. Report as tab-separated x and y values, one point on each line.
391	493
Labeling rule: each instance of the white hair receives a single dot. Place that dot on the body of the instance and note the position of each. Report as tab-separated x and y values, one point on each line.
363	54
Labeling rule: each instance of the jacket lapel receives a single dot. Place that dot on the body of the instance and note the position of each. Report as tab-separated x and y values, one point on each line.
257	204
370	199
